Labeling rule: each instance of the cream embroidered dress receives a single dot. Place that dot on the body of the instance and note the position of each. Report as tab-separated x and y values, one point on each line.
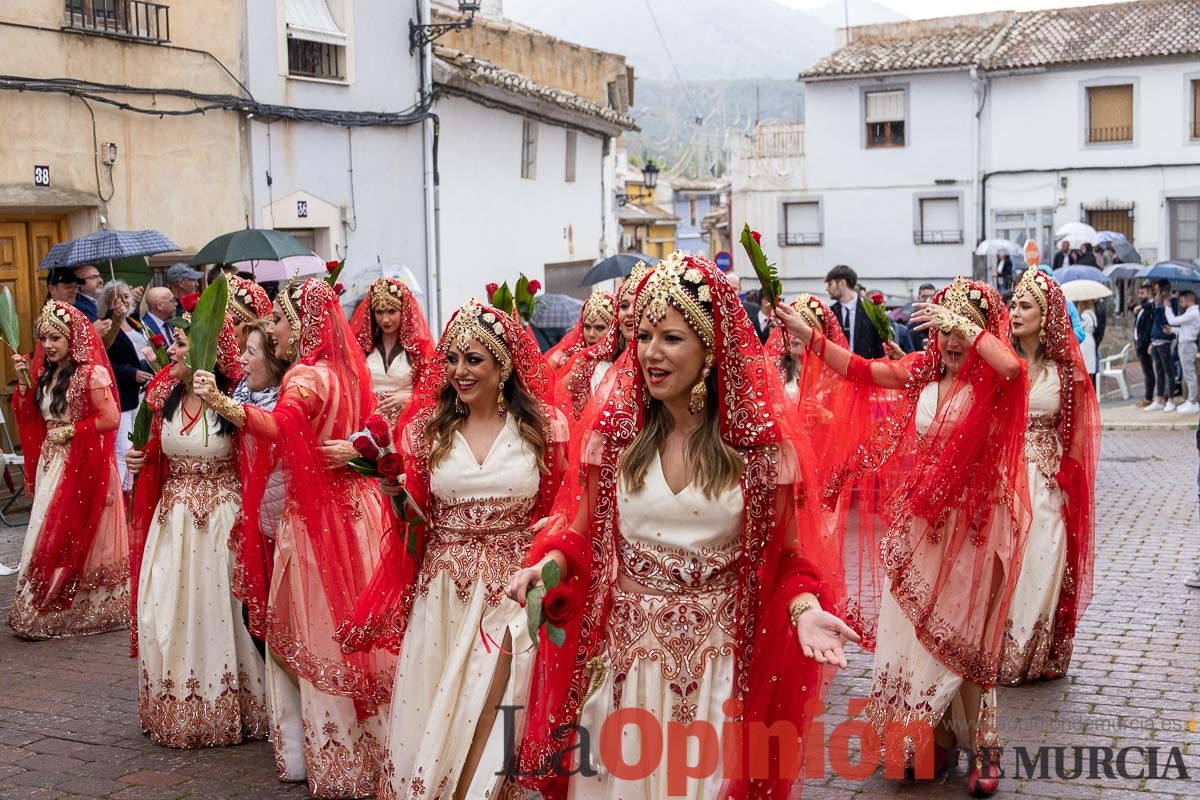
1030	630
387	379
201	676
481	514
102	601
671	654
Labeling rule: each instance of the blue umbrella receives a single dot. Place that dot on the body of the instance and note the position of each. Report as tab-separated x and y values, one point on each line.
1170	270
1112	236
1080	272
106	246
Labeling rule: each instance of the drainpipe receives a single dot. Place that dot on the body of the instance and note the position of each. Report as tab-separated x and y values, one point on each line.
982	86
429	137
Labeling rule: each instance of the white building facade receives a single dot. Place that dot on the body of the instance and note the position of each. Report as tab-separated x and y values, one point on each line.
923	138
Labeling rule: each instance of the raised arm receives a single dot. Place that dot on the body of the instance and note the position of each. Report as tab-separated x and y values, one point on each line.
884	373
998	355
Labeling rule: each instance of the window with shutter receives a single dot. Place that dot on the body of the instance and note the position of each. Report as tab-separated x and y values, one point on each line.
1110	113
884	114
1196	109
529	149
801	224
571	145
940	222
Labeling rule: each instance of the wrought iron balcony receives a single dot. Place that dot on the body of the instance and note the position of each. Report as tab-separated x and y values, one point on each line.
800	239
938	237
122	19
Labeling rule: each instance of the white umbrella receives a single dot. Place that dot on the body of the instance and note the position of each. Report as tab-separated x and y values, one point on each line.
1085	290
283	269
989	246
1076	233
404	273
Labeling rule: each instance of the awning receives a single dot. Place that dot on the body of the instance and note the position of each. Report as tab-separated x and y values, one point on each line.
311	21
1108	204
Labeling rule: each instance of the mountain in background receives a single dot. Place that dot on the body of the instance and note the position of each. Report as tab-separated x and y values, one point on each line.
862	12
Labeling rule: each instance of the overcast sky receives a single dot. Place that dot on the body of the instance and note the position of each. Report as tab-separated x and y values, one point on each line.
922	9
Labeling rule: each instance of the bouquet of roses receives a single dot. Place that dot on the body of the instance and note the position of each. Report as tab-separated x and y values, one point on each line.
377	458
549	604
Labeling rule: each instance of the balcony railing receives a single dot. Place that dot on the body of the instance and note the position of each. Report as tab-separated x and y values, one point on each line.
938	237
800	239
125	19
1103	135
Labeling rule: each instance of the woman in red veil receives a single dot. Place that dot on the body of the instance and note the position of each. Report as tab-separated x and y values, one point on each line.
1062	445
699	592
395	339
326	705
933	592
596	318
483	449
74	573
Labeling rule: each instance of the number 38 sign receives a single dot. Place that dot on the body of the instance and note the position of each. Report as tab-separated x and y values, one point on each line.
41	175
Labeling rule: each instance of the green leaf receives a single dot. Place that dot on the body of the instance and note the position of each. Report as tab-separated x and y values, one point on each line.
140	435
10	325
332	277
880	319
363	467
772	289
551	574
556	635
502	299
533	610
206	324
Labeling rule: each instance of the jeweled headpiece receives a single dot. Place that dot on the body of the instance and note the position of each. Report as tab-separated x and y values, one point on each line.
598	308
473	322
1035	283
54	317
247	300
967	301
388	293
674	283
639	271
811	309
289	303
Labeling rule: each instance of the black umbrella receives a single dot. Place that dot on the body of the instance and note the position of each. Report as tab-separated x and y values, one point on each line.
251	244
1126	253
617	266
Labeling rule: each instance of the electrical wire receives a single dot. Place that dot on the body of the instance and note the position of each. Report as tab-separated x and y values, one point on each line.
666	49
96	159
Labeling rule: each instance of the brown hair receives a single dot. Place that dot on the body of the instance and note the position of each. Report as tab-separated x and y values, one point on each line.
275	364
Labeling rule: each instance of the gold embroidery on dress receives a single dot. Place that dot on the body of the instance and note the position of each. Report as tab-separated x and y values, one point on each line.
673	569
201	484
471	558
1029	663
483	514
338	768
1042	444
96	608
234	715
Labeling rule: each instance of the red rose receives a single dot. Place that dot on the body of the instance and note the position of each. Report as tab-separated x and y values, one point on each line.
557	606
390	466
365	447
158	341
339	288
491	289
330	266
535	287
378	428
877	298
188	301
757	237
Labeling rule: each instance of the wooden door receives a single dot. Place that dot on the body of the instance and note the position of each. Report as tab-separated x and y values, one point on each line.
15	274
1118	221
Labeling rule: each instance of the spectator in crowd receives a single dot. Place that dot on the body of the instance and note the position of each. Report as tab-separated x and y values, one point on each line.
1186	327
1063	257
63	286
925	294
182	280
1143	319
1087	258
753	310
1161	341
766	318
1088	347
1101	322
1109	255
126	344
160	310
842	284
90	283
1004	272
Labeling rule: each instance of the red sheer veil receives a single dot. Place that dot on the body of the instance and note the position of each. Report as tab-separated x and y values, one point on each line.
380	616
56	567
575	376
1079	432
600	305
773	681
947	531
414	333
326	393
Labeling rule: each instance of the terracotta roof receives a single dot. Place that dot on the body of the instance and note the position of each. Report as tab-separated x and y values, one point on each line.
481	71
1144	29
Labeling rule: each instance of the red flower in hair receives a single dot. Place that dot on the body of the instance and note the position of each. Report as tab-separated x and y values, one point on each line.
491	289
390	466
188	301
365	447
378	428
330	266
157	340
557	606
535	286
757	237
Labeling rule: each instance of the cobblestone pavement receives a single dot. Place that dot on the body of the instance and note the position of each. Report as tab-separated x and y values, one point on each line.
68	721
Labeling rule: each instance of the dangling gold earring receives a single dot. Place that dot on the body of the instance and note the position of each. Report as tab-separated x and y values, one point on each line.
700	390
459	408
500	400
645	396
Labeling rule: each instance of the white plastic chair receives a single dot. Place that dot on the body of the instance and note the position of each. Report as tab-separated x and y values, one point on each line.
9	458
1113	367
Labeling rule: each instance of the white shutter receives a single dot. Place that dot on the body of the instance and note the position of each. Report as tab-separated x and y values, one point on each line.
311	21
885	106
802	219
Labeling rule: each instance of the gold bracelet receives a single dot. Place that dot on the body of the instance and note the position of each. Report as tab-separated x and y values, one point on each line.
800	608
228	408
62	435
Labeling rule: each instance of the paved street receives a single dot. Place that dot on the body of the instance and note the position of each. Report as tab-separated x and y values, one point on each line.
68	726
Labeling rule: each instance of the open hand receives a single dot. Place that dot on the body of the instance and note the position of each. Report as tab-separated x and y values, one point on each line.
821	635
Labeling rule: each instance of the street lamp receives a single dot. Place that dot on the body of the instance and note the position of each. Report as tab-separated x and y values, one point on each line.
650	175
421	35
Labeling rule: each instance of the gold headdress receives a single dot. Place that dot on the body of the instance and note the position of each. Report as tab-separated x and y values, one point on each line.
634	278
1034	282
54	317
666	286
474	322
966	301
247	300
811	309
388	294
599	307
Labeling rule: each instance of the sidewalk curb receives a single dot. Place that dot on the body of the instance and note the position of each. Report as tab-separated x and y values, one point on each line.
1148	426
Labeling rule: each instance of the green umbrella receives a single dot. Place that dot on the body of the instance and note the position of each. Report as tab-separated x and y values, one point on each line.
251	244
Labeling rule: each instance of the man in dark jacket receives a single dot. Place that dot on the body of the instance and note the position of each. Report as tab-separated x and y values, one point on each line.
842	284
1143	319
1088	258
1063	257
